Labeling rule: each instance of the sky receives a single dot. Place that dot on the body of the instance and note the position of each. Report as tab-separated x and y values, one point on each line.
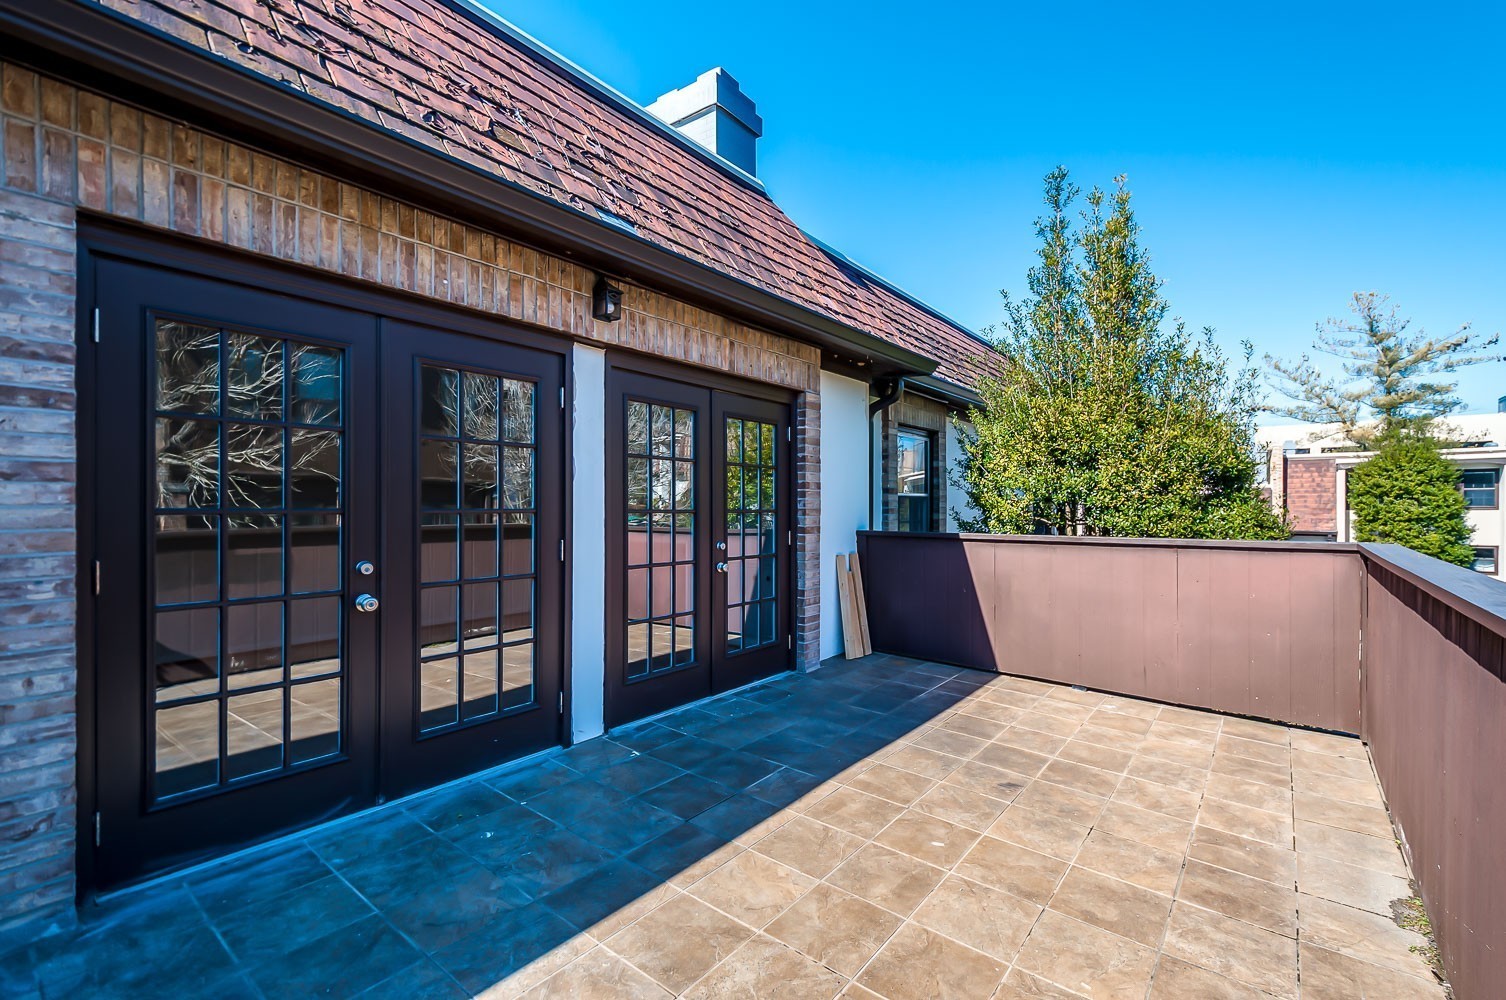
1282	155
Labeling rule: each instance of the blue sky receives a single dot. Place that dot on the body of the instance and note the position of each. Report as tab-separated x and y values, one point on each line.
1282	155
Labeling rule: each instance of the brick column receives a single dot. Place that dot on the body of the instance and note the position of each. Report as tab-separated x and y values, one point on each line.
38	727
807	553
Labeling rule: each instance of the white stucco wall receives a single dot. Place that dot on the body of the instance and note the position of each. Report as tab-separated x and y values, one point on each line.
844	489
956	499
588	587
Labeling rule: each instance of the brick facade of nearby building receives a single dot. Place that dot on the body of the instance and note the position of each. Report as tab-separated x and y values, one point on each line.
66	151
1308	488
918	413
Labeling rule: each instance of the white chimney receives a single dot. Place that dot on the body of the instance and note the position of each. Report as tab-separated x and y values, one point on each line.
714	112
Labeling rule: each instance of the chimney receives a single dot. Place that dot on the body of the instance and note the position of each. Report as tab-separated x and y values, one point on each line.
714	112
1501	405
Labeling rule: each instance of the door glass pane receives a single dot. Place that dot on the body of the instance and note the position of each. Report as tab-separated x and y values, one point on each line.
476	525
661	539
752	560
226	543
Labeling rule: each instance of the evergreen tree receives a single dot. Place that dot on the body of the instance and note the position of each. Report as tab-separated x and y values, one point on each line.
1409	494
1105	419
1390	386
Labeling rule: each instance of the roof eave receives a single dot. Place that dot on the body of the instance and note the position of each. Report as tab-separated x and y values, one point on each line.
99	46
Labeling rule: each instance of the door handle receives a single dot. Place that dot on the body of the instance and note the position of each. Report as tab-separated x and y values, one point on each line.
367	603
365	567
721	546
721	567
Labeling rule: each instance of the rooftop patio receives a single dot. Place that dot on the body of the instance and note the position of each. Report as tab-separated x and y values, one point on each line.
880	828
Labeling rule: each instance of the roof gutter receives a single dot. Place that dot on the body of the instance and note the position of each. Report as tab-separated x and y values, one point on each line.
134	62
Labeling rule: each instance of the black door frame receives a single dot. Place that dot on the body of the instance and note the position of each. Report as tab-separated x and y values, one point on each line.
100	239
712	395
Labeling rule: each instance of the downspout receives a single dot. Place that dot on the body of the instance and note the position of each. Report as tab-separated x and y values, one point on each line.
887	398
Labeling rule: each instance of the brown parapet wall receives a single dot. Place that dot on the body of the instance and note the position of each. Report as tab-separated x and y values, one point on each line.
1262	629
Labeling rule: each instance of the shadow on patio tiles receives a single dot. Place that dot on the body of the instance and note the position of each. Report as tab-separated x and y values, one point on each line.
448	893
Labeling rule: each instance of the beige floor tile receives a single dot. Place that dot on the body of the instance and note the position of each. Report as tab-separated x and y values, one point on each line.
1051	725
856	992
1071	695
981	917
955	743
1189	779
1085	959
993	711
1234	949
1252	770
1124	705
1061	802
856	812
1022	985
1126	909
1362	888
1040	832
1131	861
1246	821
1370	820
959	805
1093	780
895	881
1366	936
1250	729
836	928
927	763
1248	857
892	783
1177	980
1351	848
1277	755
1271	798
1129	724
1329	743
1171	732
1323	763
1011	758
1152	828
768	970
598	973
1012	869
1173	802
679	942
987	780
1106	738
1328	975
1032	740
1243	897
808	846
927	837
1176	753
919	964
972	725
1191	718
753	888
1105	758
1365	793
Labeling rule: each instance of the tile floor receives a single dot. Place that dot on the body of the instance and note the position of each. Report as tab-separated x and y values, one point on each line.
881	828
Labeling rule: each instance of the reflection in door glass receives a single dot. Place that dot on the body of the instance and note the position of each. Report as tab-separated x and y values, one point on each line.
661	540
476	528
752	560
248	458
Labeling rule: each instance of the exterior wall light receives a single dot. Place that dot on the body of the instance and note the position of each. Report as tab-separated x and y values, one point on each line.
606	301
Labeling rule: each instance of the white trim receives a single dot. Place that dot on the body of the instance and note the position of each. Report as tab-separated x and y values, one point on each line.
587	531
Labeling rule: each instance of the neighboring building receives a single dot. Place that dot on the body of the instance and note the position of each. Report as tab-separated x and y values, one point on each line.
383	398
1308	466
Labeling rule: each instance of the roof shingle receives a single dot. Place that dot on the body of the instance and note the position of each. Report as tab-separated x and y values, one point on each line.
428	72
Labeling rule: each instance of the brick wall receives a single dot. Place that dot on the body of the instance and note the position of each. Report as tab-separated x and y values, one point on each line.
1309	490
63	151
923	414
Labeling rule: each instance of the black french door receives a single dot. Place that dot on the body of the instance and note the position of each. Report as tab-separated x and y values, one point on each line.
698	563
327	562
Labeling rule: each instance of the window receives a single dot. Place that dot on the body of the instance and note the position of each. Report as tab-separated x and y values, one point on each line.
1481	487
914	481
1485	559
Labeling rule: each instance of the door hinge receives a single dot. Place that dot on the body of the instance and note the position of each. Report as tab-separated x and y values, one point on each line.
789	538
96	578
562	397
562	550
96	324
96	829
789	433
789	642
562	703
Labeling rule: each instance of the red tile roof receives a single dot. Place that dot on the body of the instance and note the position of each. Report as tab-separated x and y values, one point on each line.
428	72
